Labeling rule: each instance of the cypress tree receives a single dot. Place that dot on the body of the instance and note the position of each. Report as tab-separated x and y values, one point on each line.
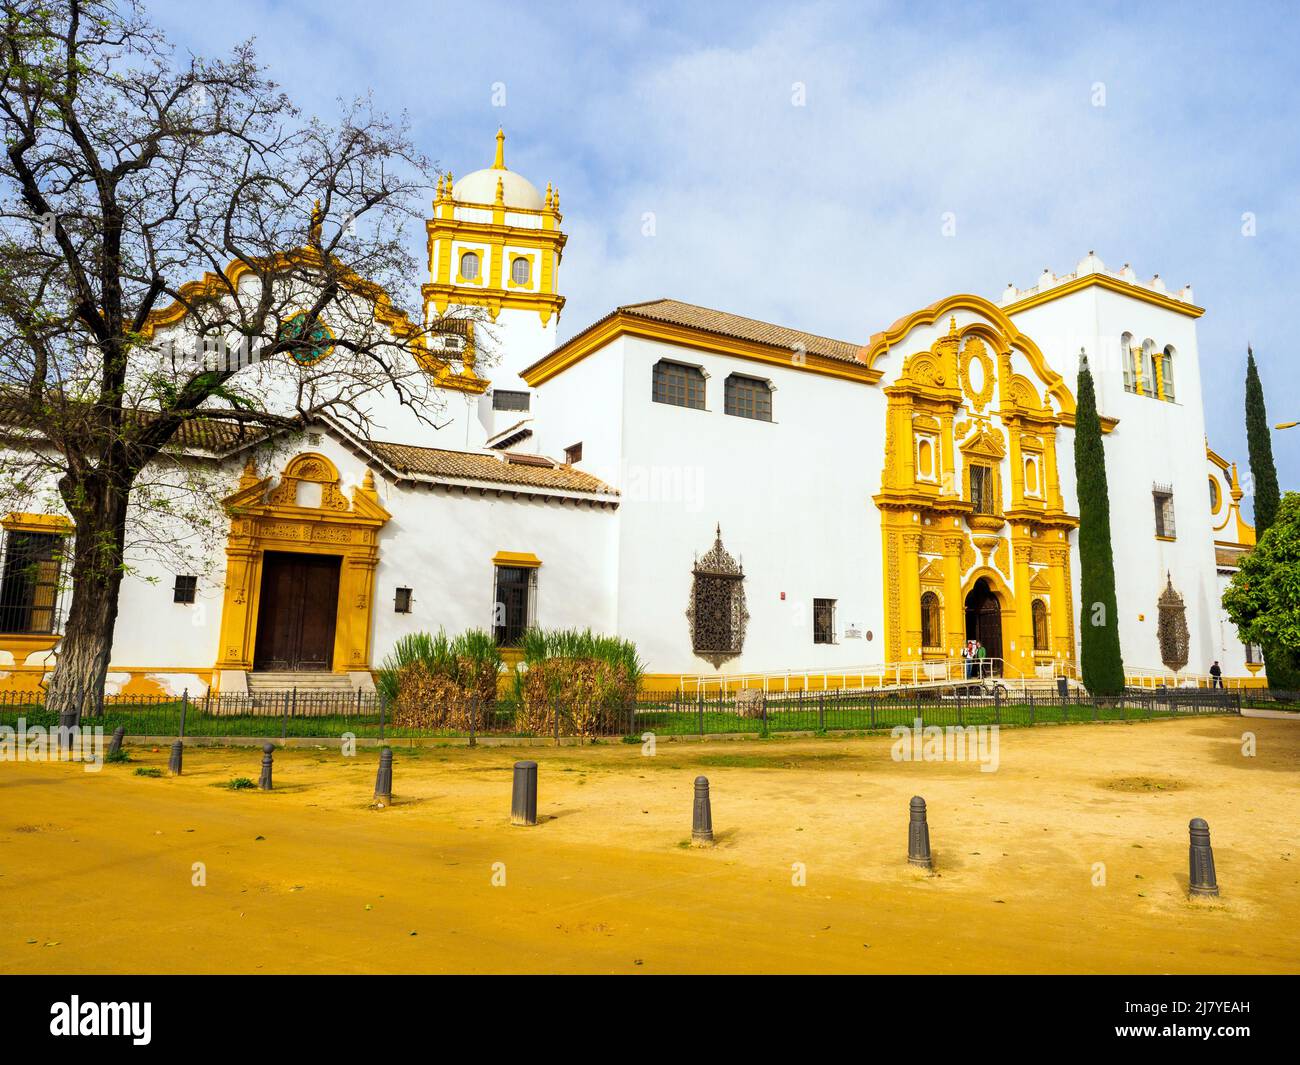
1282	665
1101	662
1260	446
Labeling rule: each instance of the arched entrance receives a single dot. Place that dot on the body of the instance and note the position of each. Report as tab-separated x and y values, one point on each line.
984	621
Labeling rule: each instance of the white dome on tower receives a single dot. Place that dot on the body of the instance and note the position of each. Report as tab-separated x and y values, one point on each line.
481	185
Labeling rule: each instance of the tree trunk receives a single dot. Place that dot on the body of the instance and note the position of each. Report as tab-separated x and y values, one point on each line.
97	564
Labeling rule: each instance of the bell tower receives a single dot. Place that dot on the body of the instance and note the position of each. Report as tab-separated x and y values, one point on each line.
495	243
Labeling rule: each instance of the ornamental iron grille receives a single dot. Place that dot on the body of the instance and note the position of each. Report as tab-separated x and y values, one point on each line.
1171	628
717	614
29	588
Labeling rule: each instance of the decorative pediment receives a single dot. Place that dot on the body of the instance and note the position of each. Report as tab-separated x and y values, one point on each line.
932	571
1039	582
985	442
309	488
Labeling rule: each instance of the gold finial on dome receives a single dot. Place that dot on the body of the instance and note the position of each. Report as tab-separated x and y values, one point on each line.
500	162
548	194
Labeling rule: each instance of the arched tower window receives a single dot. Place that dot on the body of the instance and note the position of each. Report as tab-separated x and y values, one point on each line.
469	266
1039	609
520	270
1148	368
1167	372
931	624
1126	360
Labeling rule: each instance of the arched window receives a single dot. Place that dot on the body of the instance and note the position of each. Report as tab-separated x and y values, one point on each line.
1148	368
1167	372
930	621
678	385
520	270
469	266
1126	360
748	397
1039	609
1215	498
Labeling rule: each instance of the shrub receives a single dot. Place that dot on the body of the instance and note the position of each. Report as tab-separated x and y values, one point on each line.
588	678
432	681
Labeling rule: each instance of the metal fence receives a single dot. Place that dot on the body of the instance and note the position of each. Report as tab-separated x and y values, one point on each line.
317	715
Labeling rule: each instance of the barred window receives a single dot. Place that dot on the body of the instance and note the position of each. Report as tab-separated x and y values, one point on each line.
1041	642
469	266
1163	498
520	270
931	621
515	603
748	397
503	399
29	587
402	601
981	489
681	386
823	621
185	589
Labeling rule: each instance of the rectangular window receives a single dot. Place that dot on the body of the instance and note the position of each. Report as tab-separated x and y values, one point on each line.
402	601
1163	498
678	385
573	454
981	490
515	603
185	590
823	621
1254	654
503	399
29	587
748	397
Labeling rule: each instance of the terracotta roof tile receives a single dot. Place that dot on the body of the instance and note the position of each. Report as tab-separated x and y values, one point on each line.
720	323
471	466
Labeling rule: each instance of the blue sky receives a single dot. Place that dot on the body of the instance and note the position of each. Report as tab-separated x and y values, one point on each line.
911	111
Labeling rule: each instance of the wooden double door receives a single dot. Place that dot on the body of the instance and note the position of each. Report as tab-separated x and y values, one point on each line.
297	612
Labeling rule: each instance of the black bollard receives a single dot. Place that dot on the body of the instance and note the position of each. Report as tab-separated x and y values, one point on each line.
115	744
267	752
523	800
174	766
384	778
918	835
1201	878
702	814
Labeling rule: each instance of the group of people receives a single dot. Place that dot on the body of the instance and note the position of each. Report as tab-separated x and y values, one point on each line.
973	654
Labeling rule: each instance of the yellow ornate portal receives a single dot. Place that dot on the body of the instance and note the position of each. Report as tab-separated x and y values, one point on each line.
305	513
962	427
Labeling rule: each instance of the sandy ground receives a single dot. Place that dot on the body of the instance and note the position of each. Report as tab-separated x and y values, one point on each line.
97	869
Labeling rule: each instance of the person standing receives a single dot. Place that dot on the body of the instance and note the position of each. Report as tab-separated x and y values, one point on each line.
968	657
980	652
1216	676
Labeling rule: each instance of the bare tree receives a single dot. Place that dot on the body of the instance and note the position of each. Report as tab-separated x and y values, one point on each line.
180	247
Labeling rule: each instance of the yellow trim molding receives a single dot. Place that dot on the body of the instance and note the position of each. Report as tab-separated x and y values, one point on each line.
17	521
265	518
1111	284
522	559
620	324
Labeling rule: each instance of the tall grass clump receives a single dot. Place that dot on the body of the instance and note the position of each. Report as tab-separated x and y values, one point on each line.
433	681
587	678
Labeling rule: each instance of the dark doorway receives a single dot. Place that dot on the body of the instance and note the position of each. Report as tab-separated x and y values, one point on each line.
984	622
298	610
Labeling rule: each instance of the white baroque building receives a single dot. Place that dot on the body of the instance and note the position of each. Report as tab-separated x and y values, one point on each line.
737	497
